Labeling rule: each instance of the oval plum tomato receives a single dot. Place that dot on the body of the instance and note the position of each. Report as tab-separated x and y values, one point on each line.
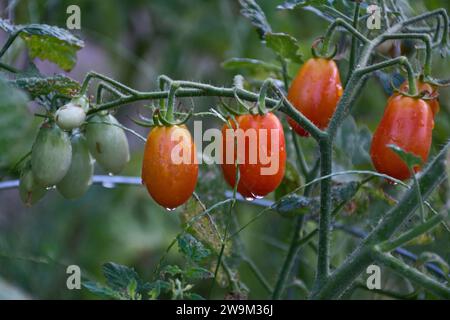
408	123
107	143
425	87
257	143
79	177
170	167
315	92
51	155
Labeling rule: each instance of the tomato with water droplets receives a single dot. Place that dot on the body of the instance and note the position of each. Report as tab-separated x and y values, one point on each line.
422	87
315	92
257	144
170	166
408	123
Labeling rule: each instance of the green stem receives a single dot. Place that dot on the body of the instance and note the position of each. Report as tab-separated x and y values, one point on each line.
413	233
13	36
323	259
354	48
411	273
289	261
331	29
343	277
300	156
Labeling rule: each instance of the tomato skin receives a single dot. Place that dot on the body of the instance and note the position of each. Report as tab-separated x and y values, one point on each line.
107	143
408	123
252	182
78	178
51	155
423	86
315	92
169	183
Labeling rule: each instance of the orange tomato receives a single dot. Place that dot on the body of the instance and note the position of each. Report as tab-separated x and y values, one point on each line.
170	167
408	123
267	135
315	92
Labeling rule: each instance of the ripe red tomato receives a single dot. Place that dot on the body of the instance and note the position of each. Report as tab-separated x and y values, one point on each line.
315	92
429	88
262	159
408	123
170	167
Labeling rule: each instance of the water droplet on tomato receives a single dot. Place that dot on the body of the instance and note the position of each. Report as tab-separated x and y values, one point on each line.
170	209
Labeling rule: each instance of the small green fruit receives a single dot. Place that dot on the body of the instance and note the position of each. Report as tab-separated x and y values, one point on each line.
70	116
30	191
107	143
79	177
51	155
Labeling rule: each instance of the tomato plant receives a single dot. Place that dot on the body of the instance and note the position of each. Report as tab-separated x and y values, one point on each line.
325	210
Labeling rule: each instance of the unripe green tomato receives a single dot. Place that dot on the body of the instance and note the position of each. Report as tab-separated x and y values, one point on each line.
30	191
51	155
107	143
70	116
79	177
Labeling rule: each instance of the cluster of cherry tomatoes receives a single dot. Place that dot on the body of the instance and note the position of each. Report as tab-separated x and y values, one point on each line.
315	91
64	150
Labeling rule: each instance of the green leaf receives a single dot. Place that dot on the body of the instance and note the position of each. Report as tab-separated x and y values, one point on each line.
284	45
102	291
344	192
192	248
295	204
198	273
203	228
410	159
16	124
172	270
253	66
48	42
157	287
119	277
291	181
252	11
59	84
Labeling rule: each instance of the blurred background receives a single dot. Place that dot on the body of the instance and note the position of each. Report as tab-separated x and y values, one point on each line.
135	41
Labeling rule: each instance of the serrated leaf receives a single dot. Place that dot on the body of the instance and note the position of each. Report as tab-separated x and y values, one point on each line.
48	42
284	45
295	204
198	273
203	228
253	66
101	290
192	248
172	270
59	84
410	159
251	10
119	277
